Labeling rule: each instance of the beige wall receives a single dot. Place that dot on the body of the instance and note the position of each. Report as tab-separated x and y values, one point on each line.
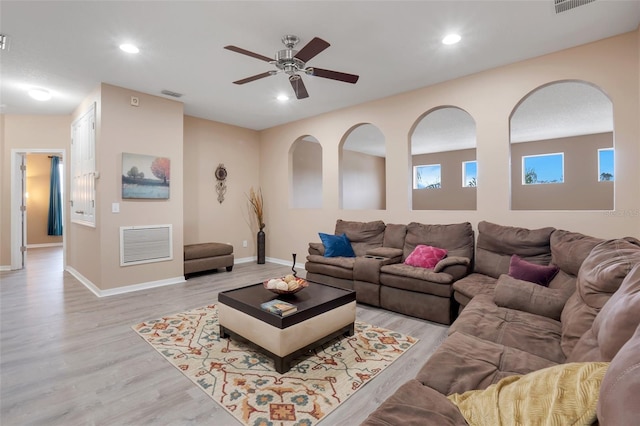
490	97
306	175
22	133
363	181
38	176
207	144
580	190
452	195
153	128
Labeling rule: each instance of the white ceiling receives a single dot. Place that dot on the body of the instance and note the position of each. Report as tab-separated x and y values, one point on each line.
71	47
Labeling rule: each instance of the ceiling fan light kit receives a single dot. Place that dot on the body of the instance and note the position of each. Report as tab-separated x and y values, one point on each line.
293	63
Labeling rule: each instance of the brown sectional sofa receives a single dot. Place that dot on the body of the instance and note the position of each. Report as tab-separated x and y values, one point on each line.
380	277
590	312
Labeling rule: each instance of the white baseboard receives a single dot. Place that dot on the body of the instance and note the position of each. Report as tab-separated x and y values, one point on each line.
284	262
44	245
160	283
124	289
5	267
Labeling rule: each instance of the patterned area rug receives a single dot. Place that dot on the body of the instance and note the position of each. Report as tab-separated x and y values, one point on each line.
245	382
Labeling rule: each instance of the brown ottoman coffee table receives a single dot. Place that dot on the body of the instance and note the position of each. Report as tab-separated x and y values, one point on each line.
324	312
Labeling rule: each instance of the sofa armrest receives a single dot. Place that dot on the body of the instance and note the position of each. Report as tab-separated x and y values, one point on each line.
530	297
316	248
388	252
455	266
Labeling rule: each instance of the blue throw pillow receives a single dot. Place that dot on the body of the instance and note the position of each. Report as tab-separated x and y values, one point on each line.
336	245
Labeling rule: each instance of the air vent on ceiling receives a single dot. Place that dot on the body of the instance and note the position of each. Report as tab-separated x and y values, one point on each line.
170	93
564	5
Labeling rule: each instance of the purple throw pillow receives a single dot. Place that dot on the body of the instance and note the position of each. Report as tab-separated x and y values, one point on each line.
527	271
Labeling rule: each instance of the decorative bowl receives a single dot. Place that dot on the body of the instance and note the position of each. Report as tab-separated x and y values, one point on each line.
302	284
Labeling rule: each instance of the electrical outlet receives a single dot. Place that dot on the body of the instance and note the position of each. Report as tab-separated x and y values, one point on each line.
244	243
135	101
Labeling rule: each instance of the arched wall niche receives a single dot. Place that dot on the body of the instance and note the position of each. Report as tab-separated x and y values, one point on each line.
305	173
442	164
362	165
562	148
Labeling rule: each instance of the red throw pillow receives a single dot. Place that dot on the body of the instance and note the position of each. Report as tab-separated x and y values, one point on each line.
527	271
425	256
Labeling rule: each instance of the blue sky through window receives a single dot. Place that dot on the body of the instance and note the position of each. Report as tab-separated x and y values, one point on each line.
545	168
427	176
469	173
605	165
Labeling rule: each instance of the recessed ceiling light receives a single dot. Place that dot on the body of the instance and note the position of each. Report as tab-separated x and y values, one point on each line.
282	98
129	48
40	94
451	39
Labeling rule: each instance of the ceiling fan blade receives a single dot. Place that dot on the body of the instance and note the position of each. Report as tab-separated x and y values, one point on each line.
298	87
254	77
248	53
311	49
335	75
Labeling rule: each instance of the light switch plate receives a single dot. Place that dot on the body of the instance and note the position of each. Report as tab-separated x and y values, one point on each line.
115	207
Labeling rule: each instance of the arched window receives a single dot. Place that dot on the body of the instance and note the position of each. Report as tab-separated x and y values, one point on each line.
363	168
562	150
306	173
444	171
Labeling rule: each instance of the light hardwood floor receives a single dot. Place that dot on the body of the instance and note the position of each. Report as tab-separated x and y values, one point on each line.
70	358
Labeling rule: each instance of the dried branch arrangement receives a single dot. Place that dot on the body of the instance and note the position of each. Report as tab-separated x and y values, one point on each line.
257	205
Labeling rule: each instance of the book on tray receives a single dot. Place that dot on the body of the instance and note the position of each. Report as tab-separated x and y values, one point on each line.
279	307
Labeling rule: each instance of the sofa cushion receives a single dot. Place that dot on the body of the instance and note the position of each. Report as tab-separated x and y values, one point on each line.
425	256
496	244
336	245
529	297
527	271
394	235
570	249
618	402
599	277
516	329
465	362
414	404
473	285
614	325
457	238
398	275
560	395
363	235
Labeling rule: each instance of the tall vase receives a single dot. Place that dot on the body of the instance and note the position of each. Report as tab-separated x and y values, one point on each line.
261	248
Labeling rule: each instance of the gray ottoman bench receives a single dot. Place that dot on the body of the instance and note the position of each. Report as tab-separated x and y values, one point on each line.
207	256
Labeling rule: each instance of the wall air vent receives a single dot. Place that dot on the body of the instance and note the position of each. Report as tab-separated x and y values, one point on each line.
145	244
564	5
175	94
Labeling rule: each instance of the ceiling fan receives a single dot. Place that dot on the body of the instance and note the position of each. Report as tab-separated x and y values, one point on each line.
292	62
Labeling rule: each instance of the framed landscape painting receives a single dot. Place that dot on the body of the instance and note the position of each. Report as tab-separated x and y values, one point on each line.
145	176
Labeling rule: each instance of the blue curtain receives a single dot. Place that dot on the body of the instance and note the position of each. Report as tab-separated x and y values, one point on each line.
55	199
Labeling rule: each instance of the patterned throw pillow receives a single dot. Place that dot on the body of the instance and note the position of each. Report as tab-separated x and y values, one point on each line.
425	256
527	271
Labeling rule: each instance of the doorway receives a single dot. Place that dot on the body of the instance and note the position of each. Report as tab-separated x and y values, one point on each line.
20	200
